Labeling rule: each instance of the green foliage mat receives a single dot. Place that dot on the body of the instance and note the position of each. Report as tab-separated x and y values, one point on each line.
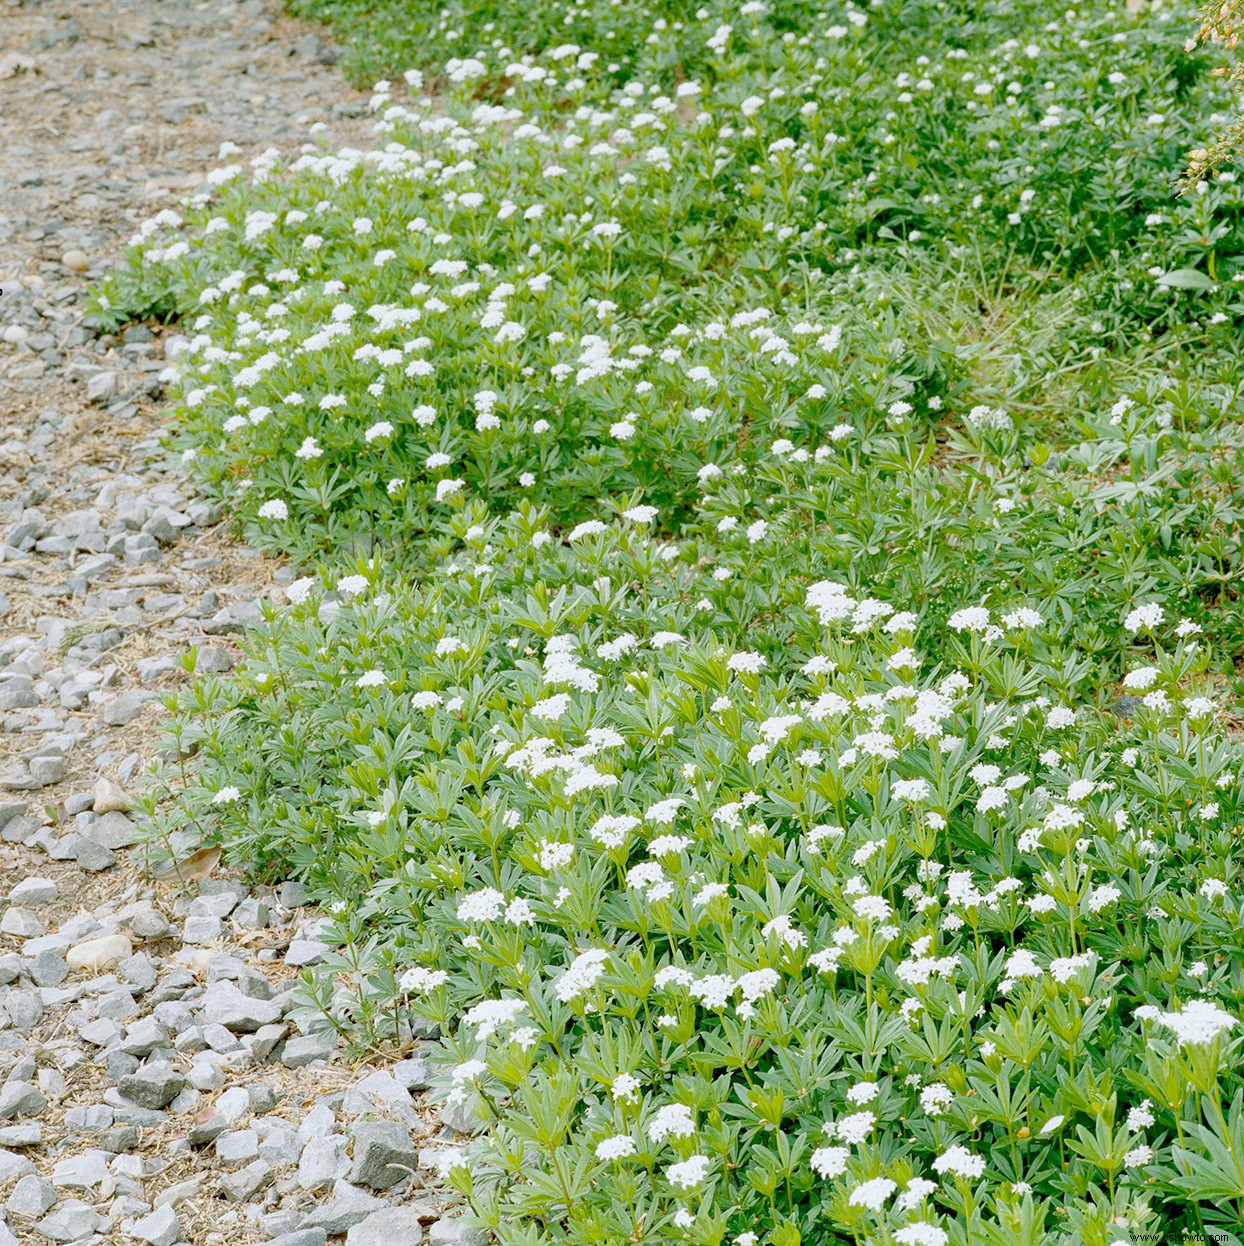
767	481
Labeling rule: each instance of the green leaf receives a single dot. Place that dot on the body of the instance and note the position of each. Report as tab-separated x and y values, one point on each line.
1186	279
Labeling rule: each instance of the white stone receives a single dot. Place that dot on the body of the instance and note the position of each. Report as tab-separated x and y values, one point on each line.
110	797
96	955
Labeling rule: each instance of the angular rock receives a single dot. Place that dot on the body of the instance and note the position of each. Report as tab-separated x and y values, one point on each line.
31	1197
12	1165
139	971
388	1227
112	830
205	1076
381	1090
48	769
347	1207
262	1098
323	1161
292	895
303	1237
48	969
212	660
102	386
123	709
453	1232
19	1098
93	857
208	1128
262	1043
143	1037
183	1190
305	1048
251	915
153	1086
234	618
238	1146
119	1139
281	1146
202	930
17	692
20	923
223	1004
72	1221
81	1172
383	1154
32	891
161	1228
243	1185
414	1073
101	1033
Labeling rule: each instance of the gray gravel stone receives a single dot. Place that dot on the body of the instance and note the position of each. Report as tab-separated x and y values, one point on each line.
304	1048
32	891
234	618
381	1090
118	1139
202	930
20	923
31	1197
238	1146
251	915
388	1227
19	1098
243	1185
223	1004
414	1073
81	1172
347	1207
303	1237
383	1154
161	1228
153	1086
112	830
102	386
27	1134
139	970
453	1232
208	1130
13	1165
322	1162
93	857
72	1221
17	692
213	660
292	895
263	1042
48	969
90	1118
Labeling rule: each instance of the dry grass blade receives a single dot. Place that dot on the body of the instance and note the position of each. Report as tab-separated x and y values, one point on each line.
193	869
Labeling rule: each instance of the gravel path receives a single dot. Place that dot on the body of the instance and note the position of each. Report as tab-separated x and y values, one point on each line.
153	1084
